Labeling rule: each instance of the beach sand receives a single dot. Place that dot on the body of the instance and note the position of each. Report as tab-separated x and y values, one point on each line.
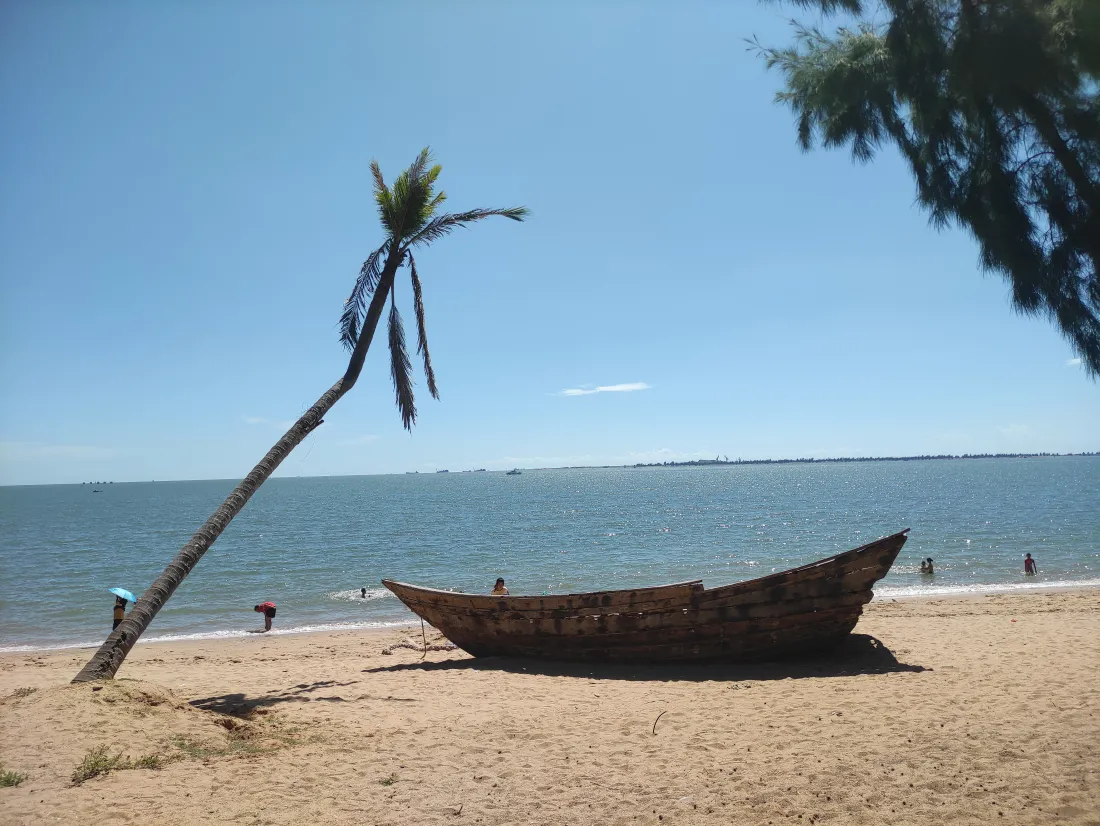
975	710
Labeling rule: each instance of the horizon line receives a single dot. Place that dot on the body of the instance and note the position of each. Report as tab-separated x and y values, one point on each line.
724	462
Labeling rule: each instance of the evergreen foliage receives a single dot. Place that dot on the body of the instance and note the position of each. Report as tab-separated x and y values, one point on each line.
994	104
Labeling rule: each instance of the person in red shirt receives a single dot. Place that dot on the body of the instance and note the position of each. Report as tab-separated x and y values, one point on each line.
1029	565
268	610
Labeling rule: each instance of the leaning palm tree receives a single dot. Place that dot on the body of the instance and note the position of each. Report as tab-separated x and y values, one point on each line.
411	219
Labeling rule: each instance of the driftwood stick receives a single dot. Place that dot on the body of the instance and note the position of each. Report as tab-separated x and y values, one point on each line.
659	716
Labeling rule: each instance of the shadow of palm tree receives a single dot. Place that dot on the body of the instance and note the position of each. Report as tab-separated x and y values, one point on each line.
858	654
240	705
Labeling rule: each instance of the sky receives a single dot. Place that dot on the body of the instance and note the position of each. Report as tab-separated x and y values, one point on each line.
186	201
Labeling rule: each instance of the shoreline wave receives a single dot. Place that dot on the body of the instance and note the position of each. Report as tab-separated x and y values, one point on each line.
906	591
221	634
883	592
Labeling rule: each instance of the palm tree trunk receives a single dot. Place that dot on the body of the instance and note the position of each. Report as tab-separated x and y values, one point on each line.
106	661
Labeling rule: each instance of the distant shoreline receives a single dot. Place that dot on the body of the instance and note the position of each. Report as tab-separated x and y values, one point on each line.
724	462
928	458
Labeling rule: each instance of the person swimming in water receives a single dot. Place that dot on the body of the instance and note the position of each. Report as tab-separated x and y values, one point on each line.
362	593
499	590
926	566
1029	565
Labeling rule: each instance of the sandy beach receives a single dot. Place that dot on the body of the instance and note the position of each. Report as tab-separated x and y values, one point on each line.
970	710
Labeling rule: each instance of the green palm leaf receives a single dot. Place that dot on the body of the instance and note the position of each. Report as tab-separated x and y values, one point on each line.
401	367
421	329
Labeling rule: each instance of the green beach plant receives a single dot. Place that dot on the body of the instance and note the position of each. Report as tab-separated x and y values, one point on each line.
98	761
9	779
409	211
994	105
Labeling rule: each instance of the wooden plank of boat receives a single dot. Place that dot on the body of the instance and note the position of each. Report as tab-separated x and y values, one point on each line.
755	602
632	628
852	570
775	614
811	634
874	557
591	603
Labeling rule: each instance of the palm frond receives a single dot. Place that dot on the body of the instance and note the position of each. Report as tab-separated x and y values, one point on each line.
435	203
444	224
422	330
416	170
380	187
411	195
401	367
382	195
356	305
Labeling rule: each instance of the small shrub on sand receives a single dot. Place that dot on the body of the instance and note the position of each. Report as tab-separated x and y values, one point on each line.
97	762
389	781
25	691
10	778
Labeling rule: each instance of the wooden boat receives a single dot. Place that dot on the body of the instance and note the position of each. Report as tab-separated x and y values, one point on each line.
803	610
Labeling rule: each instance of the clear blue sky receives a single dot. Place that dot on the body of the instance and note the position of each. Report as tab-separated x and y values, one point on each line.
186	202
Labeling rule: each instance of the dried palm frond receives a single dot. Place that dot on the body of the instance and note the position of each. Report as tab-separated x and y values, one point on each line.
441	225
356	305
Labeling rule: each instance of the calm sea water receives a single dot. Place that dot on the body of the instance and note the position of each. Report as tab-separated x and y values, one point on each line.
310	544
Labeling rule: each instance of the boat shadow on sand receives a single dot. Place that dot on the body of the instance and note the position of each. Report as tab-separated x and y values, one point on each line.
858	654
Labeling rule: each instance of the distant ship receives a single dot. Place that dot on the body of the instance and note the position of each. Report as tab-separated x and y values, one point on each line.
442	471
514	472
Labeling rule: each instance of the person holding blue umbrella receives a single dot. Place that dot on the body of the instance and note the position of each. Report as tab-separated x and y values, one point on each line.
122	596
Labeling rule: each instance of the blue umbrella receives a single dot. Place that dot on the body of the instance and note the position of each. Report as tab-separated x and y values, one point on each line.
122	592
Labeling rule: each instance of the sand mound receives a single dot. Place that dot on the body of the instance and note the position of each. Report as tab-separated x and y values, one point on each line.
52	730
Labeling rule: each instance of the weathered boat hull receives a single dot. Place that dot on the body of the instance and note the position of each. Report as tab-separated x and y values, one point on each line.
803	610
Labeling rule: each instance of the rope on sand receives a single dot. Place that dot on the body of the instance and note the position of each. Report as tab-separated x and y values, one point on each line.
447	646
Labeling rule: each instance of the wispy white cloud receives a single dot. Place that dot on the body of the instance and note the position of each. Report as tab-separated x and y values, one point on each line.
1073	362
260	420
358	440
40	450
586	390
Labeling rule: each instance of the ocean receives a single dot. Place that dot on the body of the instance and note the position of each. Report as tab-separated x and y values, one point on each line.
310	544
